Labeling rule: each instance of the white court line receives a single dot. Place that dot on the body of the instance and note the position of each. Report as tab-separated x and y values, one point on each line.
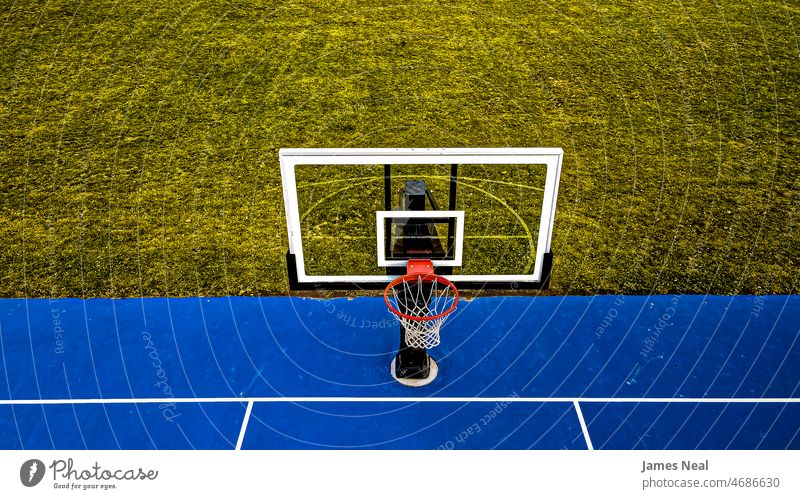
604	400
583	425
244	424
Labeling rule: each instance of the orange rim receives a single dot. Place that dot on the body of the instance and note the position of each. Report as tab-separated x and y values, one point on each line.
427	278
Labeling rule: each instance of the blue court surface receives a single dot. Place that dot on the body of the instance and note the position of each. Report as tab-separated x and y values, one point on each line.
603	372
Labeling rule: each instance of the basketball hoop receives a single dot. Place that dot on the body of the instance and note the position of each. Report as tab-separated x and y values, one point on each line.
421	300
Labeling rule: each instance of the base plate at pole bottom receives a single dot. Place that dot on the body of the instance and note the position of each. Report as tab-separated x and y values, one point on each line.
432	373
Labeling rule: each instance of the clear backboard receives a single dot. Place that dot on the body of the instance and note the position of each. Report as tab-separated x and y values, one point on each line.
483	216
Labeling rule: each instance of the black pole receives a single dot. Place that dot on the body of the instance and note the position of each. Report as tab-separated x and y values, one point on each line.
451	227
387	205
412	362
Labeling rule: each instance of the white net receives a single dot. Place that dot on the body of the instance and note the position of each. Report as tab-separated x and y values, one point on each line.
420	299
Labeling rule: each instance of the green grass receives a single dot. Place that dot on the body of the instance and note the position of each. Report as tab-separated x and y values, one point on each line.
138	143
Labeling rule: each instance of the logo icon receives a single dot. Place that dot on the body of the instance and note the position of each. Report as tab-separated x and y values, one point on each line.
31	472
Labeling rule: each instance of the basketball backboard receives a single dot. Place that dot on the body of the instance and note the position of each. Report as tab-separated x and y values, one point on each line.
483	216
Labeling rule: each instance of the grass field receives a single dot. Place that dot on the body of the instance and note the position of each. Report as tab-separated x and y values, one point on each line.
138	142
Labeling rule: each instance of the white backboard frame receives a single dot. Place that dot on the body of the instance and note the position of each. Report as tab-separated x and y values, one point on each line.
290	159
